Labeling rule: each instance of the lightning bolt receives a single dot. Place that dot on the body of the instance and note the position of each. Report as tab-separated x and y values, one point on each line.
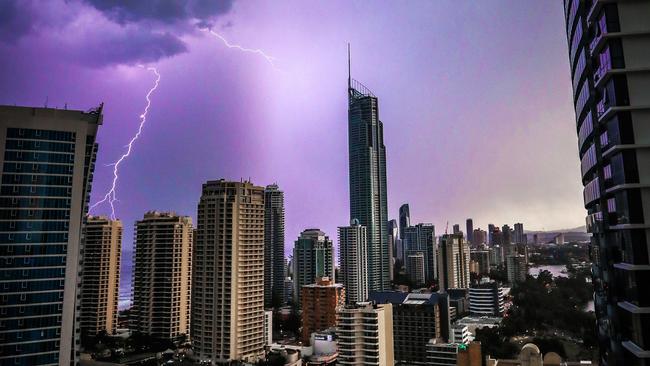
258	51
111	195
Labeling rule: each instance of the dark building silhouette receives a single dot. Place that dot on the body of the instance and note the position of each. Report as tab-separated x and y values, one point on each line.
469	227
609	55
274	262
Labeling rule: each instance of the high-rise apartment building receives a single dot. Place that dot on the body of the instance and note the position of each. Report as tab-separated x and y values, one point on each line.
100	277
421	238
320	301
367	164
47	159
162	275
404	219
479	237
393	238
313	257
416	267
469	227
353	257
482	257
228	273
453	262
490	239
274	262
506	233
519	236
456	228
517	268
365	335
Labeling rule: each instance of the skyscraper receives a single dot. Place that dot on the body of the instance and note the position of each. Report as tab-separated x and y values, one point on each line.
519	237
469	227
274	271
228	273
48	159
456	229
491	228
609	59
367	164
404	219
453	262
313	257
364	335
506	233
393	241
422	238
353	258
100	277
162	275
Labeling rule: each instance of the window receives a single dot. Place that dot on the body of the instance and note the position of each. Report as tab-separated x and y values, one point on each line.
611	205
607	171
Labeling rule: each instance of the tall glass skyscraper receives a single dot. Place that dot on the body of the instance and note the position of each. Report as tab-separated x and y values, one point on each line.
274	262
368	203
47	160
609	54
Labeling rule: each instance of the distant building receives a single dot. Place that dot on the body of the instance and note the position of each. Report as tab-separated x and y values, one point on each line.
519	236
162	275
469	230
228	274
482	257
393	238
506	232
460	334
421	238
530	355
497	237
491	228
288	290
313	257
100	277
365	335
45	152
417	317
416	267
404	219
274	262
320	302
458	302
517	269
453	262
486	299
479	237
353	261
497	255
457	229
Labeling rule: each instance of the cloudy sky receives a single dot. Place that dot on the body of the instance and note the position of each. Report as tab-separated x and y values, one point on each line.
475	98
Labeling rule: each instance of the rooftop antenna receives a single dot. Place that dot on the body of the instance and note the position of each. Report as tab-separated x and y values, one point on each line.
349	74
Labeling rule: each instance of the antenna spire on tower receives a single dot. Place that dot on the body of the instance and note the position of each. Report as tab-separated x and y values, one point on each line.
349	74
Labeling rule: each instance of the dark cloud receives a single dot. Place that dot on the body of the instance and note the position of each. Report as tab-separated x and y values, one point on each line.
131	47
165	11
15	22
98	33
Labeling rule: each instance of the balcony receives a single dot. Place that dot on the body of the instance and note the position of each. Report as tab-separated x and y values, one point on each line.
601	34
594	223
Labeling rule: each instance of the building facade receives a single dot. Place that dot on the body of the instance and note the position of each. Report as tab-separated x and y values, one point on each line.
404	219
417	317
469	229
162	275
313	257
453	262
365	335
100	277
486	299
48	158
517	268
353	259
228	273
416	267
320	302
274	262
367	164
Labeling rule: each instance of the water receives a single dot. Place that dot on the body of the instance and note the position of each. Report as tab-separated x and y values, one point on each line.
557	270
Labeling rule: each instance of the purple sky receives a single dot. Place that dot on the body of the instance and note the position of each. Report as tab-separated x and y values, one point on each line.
475	98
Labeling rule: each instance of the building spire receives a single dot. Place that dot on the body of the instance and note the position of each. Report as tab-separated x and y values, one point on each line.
349	74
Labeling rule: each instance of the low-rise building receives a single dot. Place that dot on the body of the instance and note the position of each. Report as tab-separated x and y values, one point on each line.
486	298
319	304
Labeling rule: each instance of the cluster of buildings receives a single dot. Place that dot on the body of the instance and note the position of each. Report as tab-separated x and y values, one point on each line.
59	272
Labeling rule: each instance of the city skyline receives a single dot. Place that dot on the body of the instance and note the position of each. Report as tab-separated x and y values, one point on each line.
548	204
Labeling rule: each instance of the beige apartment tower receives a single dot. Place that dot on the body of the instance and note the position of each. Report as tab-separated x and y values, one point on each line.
453	262
365	335
162	277
100	277
228	274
